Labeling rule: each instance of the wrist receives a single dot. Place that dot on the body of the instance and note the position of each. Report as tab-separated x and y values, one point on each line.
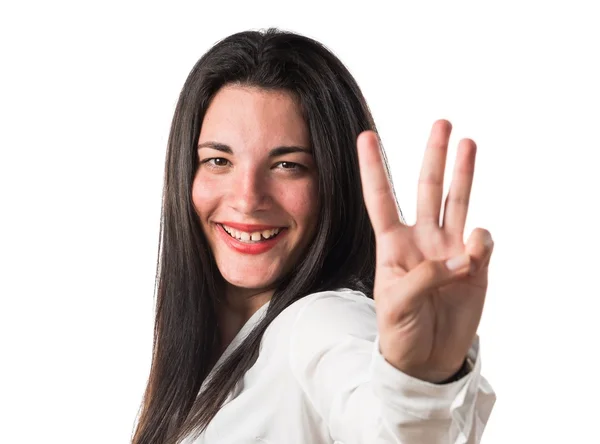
463	371
426	374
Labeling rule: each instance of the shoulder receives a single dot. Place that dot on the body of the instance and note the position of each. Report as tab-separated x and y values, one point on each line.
332	332
331	306
321	320
330	316
335	303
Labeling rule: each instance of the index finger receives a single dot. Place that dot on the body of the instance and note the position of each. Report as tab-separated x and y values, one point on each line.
377	190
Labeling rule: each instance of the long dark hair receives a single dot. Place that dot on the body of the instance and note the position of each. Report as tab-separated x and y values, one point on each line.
188	283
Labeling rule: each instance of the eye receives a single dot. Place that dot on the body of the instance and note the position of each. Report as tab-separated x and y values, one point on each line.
292	166
216	162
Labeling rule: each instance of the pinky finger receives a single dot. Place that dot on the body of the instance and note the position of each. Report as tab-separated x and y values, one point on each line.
480	247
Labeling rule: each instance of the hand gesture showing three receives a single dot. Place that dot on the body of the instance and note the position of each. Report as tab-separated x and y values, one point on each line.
428	309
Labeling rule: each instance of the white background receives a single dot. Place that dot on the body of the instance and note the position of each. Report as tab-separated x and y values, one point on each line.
87	93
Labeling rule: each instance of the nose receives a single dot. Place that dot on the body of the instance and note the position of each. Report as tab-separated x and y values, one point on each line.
250	191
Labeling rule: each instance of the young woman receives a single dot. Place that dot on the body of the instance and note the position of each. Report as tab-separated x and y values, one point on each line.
293	303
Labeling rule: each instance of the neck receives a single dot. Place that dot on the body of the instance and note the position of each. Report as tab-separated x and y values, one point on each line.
244	302
240	304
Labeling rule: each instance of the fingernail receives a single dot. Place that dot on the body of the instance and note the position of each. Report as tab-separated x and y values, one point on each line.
457	262
488	241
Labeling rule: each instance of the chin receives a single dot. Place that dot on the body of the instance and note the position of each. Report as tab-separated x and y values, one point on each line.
250	282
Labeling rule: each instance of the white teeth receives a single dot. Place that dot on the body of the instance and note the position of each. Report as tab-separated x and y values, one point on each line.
251	237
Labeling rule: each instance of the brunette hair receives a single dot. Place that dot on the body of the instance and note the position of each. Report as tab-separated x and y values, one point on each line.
188	283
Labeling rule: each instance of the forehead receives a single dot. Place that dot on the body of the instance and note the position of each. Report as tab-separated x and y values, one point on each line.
245	117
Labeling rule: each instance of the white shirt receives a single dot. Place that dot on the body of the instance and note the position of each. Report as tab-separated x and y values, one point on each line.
320	378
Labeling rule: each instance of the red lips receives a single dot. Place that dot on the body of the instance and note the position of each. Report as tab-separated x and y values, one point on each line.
249	248
248	228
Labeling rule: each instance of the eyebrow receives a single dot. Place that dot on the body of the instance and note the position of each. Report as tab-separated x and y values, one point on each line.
275	152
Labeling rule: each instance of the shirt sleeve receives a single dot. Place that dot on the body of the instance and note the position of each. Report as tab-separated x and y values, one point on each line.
335	358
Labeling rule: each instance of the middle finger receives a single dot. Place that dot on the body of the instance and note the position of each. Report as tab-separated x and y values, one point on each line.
431	179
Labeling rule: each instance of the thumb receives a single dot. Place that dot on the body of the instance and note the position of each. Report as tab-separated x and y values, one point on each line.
433	274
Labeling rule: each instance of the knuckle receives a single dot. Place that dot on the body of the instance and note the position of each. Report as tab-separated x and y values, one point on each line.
482	231
458	200
482	236
430	178
485	236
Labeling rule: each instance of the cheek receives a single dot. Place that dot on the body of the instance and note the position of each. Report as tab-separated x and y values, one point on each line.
301	202
204	196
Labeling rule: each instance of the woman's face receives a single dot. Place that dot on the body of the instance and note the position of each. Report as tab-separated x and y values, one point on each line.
255	190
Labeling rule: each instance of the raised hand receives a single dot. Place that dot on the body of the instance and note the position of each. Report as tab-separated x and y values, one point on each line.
429	285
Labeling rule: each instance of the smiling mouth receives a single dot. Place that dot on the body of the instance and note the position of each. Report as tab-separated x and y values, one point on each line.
252	238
